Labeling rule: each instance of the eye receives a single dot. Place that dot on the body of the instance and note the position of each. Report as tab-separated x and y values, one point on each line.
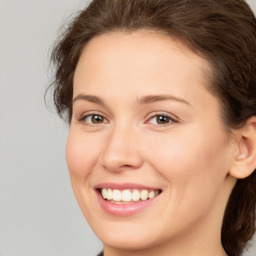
161	119
93	119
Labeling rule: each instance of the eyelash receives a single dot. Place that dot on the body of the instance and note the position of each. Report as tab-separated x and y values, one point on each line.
169	118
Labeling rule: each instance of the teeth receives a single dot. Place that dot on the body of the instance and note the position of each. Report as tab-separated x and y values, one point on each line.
117	195
151	194
144	195
135	195
127	195
104	193
109	194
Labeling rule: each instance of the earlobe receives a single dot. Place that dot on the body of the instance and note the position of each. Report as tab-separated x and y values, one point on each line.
245	159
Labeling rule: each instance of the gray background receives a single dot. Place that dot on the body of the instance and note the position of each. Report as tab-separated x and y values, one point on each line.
38	213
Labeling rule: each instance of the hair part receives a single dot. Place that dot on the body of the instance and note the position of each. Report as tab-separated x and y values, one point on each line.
221	31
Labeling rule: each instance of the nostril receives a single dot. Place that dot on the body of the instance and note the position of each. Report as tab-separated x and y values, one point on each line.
121	164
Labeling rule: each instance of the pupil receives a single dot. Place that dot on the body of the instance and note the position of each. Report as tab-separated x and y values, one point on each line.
96	119
162	119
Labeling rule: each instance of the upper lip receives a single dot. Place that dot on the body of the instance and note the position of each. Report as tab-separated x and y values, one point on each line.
122	186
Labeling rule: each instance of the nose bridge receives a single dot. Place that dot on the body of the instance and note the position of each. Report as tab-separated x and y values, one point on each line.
121	150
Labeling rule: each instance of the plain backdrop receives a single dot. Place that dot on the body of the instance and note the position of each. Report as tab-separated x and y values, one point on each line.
38	213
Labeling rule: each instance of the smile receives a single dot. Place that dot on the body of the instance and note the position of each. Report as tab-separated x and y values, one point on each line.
126	199
125	196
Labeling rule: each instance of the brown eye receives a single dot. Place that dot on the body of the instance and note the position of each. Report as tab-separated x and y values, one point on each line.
162	119
94	119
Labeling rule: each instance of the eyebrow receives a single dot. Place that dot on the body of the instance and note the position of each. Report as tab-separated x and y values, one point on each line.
142	101
90	98
154	98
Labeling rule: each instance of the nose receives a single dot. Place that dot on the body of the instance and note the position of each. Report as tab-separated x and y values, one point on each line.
121	151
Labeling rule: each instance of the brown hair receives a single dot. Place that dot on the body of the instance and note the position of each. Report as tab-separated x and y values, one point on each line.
221	31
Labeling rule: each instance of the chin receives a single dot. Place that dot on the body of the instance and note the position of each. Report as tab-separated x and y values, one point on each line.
127	242
127	237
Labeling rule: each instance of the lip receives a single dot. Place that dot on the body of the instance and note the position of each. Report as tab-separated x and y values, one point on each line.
123	186
124	209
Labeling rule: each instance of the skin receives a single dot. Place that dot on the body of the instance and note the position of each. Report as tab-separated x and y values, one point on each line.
189	157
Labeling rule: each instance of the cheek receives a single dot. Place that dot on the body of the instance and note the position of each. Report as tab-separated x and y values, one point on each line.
81	156
191	160
195	170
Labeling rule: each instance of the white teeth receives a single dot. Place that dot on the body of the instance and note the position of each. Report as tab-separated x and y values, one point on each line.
118	196
109	194
144	194
135	195
151	194
104	193
126	196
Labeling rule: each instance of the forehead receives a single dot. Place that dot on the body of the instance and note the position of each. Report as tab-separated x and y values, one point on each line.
141	58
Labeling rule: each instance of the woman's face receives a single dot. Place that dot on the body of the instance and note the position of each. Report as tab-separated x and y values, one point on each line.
146	131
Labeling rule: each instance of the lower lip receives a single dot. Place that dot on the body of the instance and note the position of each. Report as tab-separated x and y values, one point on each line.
124	209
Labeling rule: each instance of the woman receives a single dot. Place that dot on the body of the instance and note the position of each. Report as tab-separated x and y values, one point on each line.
160	97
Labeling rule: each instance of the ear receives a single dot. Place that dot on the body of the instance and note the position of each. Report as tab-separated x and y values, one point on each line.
245	158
